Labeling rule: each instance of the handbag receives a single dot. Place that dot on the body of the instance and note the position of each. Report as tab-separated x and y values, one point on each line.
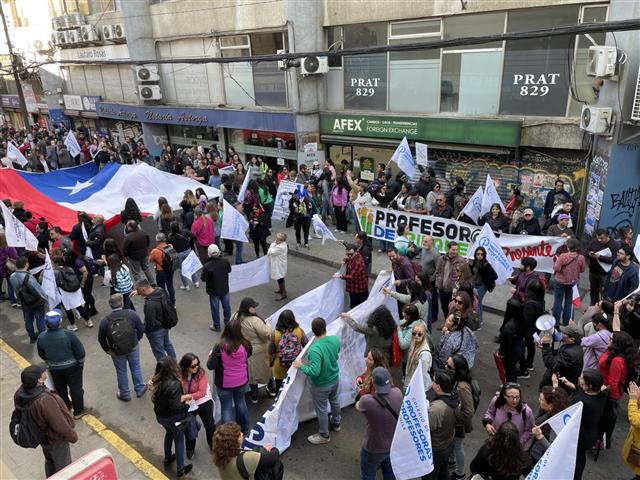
633	457
10	264
396	351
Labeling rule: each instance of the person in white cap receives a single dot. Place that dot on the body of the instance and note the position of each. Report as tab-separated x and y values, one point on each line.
215	273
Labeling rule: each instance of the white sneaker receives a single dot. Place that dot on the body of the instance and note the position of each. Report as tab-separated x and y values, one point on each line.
73	328
317	439
197	284
182	287
88	323
315	235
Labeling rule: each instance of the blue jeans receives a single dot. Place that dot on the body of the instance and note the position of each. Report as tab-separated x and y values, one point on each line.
185	280
214	303
169	439
370	462
562	306
161	345
320	397
481	291
230	396
165	281
120	362
239	247
29	317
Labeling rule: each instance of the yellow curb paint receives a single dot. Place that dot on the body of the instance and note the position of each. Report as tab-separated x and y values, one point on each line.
5	473
98	427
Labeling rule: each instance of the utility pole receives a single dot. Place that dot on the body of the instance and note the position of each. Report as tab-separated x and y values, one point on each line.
14	69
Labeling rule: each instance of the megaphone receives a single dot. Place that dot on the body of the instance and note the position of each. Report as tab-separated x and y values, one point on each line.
545	322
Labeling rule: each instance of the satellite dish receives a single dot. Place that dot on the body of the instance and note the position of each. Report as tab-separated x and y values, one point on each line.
546	322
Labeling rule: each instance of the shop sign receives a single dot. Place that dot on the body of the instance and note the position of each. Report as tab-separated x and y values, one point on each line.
365	82
477	132
105	52
11	101
81	102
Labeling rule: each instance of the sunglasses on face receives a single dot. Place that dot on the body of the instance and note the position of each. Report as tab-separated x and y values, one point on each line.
479	254
417	334
195	365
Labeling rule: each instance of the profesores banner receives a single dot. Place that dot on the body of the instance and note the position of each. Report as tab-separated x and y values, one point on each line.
381	223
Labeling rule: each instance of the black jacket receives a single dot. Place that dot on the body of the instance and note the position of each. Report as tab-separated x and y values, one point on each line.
179	242
498	224
153	311
527	227
487	274
566	362
215	272
77	236
511	341
96	239
166	399
630	321
550	202
595	247
136	245
481	465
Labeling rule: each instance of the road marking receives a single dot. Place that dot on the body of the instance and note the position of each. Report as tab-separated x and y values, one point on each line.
100	428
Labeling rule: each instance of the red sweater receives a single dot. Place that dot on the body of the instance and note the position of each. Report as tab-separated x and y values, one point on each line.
614	374
197	387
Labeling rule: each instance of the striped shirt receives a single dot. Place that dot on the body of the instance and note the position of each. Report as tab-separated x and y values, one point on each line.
123	283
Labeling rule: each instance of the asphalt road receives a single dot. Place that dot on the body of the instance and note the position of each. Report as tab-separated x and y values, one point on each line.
136	423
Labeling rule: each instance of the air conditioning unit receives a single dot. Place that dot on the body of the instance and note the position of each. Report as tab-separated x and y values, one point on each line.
107	32
118	31
635	109
149	92
40	44
596	120
73	36
54	39
602	61
88	33
314	65
76	19
147	73
61	38
63	22
57	23
282	64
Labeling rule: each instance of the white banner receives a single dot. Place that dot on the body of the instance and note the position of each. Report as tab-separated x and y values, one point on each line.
49	282
17	234
411	452
474	206
294	403
72	144
495	254
88	252
560	419
250	274
403	158
490	197
422	154
559	460
234	224
243	187
381	223
190	265
321	229
636	249
281	202
15	155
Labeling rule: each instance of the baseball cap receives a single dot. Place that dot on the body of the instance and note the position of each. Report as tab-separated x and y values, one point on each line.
30	375
213	250
53	318
573	331
381	380
528	211
563	216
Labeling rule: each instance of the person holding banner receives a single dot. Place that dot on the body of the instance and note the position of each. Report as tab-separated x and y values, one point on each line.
552	401
442	422
502	456
419	352
378	331
496	219
355	276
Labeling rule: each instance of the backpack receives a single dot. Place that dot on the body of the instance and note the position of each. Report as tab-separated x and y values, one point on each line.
29	296
170	259
475	393
289	347
92	267
121	336
169	314
67	279
24	430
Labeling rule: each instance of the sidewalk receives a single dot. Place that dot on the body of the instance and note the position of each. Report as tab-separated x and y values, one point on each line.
22	463
331	253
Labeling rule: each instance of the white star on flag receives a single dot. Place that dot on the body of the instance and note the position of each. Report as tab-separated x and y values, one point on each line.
79	186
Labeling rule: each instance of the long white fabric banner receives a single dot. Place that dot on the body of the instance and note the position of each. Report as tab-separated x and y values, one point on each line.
381	223
250	274
294	404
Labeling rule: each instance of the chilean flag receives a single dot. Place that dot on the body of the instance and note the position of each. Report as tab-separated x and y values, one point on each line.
59	195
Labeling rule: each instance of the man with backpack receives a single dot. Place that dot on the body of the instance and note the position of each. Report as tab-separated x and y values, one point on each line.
31	296
119	334
159	317
166	261
41	418
381	411
64	354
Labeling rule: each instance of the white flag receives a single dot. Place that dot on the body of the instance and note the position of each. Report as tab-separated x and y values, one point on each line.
402	156
422	154
411	451
321	229
15	155
190	265
72	144
49	282
17	234
559	461
243	187
490	197
495	254
636	249
234	224
560	419
88	252
474	206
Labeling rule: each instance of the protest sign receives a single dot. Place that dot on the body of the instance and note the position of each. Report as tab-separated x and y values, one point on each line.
16	233
190	265
234	224
250	274
281	202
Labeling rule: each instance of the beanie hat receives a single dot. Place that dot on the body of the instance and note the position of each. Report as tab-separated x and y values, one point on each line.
593	377
30	376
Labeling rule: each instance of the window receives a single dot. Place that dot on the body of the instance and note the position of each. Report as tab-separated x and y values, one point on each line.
334	43
268	81
471	74
414	76
365	76
534	79
238	77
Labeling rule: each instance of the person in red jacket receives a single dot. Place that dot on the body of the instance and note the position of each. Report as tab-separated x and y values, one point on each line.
355	275
195	383
615	364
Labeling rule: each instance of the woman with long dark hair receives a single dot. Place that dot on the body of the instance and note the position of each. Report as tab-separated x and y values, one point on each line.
457	337
507	406
415	295
364	382
121	281
339	200
511	339
532	309
552	400
484	278
377	331
131	212
195	383
502	456
170	404
288	338
496	219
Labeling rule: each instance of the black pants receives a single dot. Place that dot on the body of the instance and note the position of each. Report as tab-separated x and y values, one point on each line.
69	381
71	317
596	281
205	412
57	455
510	361
257	242
440	464
356	299
303	224
228	247
87	294
528	354
581	462
341	218
445	299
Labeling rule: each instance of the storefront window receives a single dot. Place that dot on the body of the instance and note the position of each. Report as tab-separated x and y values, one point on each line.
269	82
471	74
365	76
183	136
414	76
534	79
271	146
